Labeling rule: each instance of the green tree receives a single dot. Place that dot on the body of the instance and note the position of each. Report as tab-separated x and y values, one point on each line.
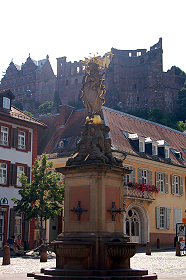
46	107
43	197
181	101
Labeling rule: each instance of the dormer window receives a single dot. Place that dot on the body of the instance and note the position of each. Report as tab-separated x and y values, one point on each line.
151	146
163	149
177	154
62	143
138	141
6	103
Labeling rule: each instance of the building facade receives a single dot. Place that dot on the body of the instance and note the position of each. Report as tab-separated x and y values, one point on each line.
18	151
33	81
156	156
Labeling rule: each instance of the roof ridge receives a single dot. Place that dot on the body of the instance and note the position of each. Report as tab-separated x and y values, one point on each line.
141	119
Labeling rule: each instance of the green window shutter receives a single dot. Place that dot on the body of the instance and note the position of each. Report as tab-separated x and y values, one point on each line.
168	218
29	141
139	175
157	217
181	185
149	177
133	175
172	185
166	182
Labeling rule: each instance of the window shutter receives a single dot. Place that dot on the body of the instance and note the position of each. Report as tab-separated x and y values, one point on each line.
166	182
181	185
29	141
12	222
0	135
13	174
172	185
157	179
149	177
139	175
28	173
133	175
168	218
157	217
14	137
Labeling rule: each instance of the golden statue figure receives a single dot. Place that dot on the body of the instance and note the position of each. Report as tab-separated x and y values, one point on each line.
92	85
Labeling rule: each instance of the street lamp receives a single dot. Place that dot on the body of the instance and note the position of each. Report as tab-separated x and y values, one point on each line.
3	200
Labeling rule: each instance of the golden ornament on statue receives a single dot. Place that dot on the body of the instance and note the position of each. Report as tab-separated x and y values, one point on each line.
96	119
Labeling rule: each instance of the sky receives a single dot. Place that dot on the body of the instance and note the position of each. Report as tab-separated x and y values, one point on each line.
76	28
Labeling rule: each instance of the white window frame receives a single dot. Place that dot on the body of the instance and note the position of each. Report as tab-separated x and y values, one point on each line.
3	173
177	184
161	182
20	170
144	176
154	150
167	153
141	146
162	217
4	136
6	103
21	140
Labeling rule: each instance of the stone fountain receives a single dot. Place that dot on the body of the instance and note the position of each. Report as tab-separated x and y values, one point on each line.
93	245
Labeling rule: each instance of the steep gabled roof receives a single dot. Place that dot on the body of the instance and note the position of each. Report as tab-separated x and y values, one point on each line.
120	125
17	114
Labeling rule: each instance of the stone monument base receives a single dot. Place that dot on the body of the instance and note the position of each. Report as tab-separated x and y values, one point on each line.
60	274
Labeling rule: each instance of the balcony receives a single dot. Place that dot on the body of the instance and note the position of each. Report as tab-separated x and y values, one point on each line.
136	194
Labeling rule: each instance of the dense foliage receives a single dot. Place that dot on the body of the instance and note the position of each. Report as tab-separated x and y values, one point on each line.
44	196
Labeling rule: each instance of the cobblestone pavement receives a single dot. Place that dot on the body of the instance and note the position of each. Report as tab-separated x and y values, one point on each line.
162	262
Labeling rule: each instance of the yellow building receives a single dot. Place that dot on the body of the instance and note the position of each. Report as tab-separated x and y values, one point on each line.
156	155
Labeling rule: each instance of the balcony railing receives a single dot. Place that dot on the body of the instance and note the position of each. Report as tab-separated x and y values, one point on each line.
131	193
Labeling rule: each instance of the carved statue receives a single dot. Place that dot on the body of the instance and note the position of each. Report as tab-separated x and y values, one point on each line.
94	147
93	90
92	84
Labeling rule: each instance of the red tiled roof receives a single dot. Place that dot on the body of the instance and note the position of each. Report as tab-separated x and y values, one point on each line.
117	122
15	113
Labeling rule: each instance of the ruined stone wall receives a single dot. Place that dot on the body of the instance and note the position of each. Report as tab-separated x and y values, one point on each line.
69	79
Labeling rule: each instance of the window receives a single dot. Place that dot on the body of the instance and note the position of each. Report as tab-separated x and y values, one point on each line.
6	103
137	98
144	176
130	177
50	88
154	150
162	217
141	146
177	184
43	90
20	170
161	182
77	69
138	53
4	136
3	173
130	54
21	140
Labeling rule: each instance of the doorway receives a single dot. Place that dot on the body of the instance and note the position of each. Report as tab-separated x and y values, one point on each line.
1	228
133	228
